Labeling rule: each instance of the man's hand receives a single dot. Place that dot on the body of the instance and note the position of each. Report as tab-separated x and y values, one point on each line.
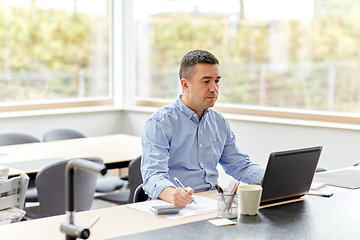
177	196
180	198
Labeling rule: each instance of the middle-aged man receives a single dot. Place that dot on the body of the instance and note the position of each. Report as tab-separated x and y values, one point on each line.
187	139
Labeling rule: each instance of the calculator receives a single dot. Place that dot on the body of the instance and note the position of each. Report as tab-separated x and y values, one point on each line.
165	209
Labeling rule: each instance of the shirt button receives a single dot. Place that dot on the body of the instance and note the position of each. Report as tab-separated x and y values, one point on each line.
202	164
194	115
200	145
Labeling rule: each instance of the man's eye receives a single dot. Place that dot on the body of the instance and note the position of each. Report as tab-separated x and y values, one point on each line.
206	81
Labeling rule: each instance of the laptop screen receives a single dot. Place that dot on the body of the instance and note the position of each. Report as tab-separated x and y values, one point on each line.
289	174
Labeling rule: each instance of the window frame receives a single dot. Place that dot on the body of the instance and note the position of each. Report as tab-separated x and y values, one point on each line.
267	112
279	115
50	104
122	77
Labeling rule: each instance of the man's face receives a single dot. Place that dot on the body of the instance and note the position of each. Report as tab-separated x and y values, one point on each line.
202	91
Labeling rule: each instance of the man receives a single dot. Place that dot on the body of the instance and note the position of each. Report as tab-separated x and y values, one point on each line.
186	139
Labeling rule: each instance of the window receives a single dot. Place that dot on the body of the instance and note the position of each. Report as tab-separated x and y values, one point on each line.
280	54
54	50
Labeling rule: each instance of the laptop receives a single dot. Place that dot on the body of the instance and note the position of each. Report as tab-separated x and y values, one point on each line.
289	174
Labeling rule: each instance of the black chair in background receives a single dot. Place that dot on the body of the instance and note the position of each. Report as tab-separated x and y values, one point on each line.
126	196
50	184
57	134
140	195
13	138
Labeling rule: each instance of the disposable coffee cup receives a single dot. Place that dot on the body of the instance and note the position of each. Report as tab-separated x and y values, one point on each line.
249	199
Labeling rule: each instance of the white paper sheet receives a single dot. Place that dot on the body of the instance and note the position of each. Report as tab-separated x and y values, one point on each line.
204	205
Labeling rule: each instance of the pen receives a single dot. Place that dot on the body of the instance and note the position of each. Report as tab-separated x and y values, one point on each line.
233	192
181	185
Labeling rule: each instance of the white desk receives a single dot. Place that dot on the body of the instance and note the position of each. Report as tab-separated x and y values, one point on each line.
114	221
113	149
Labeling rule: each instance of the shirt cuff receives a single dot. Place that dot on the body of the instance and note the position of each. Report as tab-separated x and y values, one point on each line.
155	186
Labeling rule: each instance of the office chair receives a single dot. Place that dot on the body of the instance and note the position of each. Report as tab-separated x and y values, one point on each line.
104	184
126	196
13	138
140	195
57	134
50	184
12	194
357	163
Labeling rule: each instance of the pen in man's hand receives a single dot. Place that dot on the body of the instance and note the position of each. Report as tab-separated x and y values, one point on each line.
181	185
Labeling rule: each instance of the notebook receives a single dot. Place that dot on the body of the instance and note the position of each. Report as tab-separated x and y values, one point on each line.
289	174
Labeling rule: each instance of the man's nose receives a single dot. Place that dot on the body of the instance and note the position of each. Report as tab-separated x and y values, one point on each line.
214	87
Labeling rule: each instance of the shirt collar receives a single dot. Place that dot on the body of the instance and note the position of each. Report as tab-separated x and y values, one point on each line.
185	110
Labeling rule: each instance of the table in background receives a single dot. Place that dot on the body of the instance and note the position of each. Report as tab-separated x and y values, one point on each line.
115	150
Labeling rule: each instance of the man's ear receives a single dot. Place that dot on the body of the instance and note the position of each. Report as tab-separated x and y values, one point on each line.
185	84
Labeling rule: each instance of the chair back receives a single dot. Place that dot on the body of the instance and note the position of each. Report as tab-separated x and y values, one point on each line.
135	177
12	192
50	184
140	195
61	134
13	138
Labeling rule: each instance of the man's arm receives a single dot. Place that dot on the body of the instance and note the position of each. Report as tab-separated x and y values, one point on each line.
238	164
155	155
155	166
177	196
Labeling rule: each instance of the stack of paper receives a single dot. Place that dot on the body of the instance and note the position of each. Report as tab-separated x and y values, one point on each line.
204	205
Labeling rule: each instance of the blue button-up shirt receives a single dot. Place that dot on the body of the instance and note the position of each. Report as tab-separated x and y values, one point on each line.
176	144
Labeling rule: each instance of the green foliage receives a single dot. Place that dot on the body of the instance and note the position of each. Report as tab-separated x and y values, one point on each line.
34	38
42	51
329	42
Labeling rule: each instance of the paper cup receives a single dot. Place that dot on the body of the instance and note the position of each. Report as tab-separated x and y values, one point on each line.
249	199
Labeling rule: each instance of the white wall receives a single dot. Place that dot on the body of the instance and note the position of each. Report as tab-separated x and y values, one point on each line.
91	124
340	147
